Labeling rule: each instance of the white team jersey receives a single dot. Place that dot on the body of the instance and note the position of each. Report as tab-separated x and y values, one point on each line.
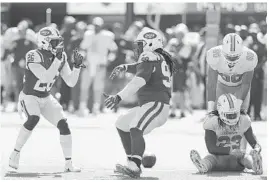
231	76
97	46
229	136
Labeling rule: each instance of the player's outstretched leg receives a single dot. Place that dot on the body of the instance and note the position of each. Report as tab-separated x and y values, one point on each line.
66	143
203	165
23	136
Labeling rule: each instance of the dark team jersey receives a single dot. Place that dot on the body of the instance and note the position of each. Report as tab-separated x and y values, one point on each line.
32	85
154	69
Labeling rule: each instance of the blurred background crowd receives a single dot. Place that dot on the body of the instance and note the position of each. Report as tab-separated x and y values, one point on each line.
104	32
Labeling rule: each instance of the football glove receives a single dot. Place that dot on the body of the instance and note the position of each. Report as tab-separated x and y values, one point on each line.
59	51
237	153
258	148
116	71
112	101
78	58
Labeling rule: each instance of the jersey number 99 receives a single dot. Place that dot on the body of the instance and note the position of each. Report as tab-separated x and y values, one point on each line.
167	74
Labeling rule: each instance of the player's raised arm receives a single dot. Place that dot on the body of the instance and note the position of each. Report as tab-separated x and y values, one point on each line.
33	63
71	77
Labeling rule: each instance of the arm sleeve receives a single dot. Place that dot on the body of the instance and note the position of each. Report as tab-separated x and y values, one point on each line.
44	75
70	77
144	70
245	87
132	87
250	137
211	141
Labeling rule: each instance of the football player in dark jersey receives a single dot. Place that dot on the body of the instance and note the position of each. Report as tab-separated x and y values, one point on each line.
43	67
152	83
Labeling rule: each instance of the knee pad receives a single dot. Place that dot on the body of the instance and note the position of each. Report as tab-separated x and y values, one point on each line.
31	122
63	127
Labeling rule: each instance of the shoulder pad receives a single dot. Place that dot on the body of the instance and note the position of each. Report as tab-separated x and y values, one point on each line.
212	57
33	57
245	122
149	57
211	123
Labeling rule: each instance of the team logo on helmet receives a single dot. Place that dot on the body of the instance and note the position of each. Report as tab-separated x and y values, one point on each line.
150	35
45	32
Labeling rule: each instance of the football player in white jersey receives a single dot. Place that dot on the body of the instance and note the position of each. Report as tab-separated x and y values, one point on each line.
231	68
43	66
223	134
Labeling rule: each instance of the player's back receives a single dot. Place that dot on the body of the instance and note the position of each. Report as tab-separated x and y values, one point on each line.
158	87
228	136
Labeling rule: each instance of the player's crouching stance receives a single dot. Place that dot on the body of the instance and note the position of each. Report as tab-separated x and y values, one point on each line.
43	66
223	136
152	85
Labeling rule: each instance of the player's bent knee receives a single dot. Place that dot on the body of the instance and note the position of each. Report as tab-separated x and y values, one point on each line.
136	132
121	124
63	127
31	122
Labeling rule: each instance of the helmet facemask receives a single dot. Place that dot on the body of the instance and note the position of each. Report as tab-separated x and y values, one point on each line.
56	45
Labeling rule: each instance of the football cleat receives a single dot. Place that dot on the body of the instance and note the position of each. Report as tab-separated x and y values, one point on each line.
197	161
14	160
70	168
257	162
131	169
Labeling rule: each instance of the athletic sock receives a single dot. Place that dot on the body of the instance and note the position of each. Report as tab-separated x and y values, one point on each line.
126	142
138	145
23	136
66	143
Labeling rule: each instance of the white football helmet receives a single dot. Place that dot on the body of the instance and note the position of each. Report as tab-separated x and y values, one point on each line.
232	48
147	40
227	109
49	38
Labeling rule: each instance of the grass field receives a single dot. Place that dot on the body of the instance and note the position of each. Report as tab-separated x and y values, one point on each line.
97	148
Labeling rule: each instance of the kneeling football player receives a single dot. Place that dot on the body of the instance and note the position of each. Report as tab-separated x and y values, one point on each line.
152	83
43	66
223	136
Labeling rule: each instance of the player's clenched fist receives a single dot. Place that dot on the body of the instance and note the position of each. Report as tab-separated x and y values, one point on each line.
116	71
78	59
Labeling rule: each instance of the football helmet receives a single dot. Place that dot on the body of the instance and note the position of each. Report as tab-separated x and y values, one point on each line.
227	109
49	38
232	48
147	40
